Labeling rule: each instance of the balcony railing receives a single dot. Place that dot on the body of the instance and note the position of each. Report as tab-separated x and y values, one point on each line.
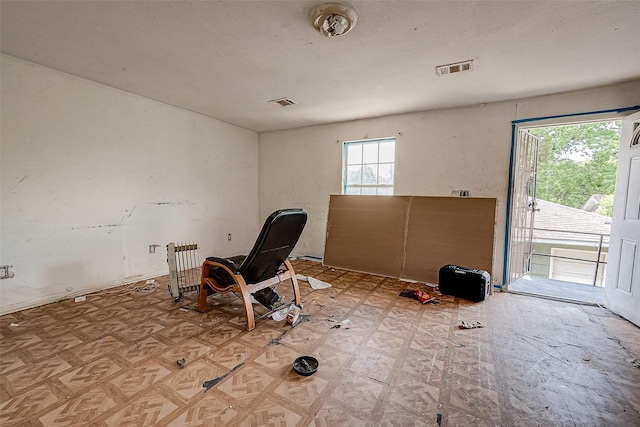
590	239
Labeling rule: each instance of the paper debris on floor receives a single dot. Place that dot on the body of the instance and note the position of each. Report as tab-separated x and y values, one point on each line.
315	283
345	323
471	325
318	284
280	315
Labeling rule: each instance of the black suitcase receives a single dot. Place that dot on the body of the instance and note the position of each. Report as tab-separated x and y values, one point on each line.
463	282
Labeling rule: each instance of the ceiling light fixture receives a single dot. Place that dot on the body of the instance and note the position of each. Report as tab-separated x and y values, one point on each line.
333	19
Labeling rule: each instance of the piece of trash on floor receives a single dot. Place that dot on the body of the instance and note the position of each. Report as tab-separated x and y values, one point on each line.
439	419
230	407
181	362
471	325
81	299
318	284
635	362
280	315
408	293
345	322
294	314
183	309
305	365
301	277
150	282
211	383
423	297
13	325
419	295
586	358
277	341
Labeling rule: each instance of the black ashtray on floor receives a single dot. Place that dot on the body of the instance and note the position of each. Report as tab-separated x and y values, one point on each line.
305	365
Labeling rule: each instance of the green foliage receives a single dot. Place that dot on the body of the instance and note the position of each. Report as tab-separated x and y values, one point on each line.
577	161
606	206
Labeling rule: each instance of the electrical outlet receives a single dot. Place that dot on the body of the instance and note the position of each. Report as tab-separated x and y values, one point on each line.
152	248
229	237
5	272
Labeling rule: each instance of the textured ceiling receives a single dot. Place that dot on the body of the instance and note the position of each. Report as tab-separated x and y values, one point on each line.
226	59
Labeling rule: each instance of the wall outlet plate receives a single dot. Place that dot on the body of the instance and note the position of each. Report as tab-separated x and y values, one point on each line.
5	272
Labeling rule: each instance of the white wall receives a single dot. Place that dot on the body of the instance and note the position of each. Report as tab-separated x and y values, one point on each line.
92	175
436	152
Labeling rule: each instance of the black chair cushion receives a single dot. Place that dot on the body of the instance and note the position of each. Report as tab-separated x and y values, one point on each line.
278	236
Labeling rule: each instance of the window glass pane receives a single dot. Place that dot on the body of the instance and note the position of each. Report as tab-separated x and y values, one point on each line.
354	153
367	165
353	190
354	175
385	173
370	175
387	152
369	190
370	153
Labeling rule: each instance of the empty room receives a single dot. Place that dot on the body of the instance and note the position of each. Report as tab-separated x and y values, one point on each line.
301	213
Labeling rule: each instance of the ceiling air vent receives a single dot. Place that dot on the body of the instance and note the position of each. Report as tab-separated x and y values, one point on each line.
283	102
458	67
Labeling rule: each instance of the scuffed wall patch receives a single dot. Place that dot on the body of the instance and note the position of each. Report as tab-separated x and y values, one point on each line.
20	181
172	203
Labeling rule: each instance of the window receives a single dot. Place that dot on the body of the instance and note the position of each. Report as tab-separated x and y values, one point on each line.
368	166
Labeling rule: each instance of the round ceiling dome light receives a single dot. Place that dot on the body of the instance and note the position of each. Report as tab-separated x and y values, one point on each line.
333	19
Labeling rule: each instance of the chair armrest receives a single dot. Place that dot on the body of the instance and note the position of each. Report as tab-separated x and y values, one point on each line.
232	263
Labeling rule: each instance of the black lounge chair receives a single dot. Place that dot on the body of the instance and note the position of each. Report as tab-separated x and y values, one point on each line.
264	267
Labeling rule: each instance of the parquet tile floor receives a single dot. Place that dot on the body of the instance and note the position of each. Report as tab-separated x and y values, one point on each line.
111	360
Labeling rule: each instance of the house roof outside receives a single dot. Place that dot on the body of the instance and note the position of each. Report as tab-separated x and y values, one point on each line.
555	223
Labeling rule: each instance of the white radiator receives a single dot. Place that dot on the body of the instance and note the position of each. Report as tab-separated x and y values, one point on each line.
184	268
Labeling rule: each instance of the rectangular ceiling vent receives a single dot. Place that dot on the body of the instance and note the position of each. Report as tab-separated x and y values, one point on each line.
458	67
283	102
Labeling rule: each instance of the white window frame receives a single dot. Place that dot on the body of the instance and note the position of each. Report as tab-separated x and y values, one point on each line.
385	187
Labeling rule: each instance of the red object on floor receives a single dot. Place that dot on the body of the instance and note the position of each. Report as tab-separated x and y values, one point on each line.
423	297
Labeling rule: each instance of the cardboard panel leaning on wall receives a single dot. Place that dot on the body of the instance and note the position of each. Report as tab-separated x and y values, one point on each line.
366	233
449	230
409	237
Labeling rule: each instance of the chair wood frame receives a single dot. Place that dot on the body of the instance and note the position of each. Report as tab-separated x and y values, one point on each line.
241	288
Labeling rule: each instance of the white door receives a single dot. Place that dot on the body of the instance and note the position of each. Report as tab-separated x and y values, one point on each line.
623	270
524	206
